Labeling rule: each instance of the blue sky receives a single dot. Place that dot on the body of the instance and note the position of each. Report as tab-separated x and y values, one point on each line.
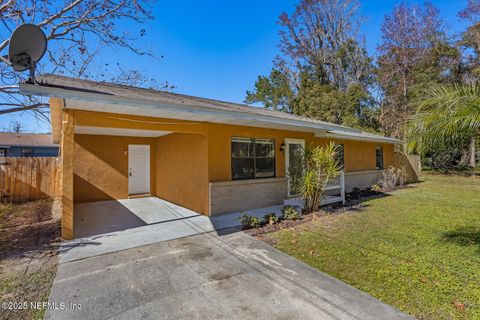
216	49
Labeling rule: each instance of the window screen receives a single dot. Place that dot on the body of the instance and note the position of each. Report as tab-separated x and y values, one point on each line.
253	158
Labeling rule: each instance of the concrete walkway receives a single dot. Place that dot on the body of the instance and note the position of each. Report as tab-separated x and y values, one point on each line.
109	226
206	276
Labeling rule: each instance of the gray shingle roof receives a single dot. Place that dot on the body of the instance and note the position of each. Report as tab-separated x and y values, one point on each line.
116	91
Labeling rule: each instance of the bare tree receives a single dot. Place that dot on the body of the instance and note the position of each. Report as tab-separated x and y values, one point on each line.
323	70
323	34
411	53
15	126
77	31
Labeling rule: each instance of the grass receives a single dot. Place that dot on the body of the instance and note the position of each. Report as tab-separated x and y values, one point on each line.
33	286
417	249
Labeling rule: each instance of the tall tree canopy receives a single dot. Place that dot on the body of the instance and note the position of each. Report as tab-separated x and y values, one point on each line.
470	41
77	31
323	70
414	53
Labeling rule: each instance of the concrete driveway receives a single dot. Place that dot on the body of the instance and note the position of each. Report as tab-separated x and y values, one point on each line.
206	276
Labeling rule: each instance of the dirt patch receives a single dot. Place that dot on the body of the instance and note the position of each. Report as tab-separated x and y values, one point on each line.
28	256
14	215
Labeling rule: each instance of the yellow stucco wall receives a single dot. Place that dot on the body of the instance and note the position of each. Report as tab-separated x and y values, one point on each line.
182	170
359	155
219	147
182	163
101	166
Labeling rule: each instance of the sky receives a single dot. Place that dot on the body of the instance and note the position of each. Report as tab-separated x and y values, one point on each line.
217	49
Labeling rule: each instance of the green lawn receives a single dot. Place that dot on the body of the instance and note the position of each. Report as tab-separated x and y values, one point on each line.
418	249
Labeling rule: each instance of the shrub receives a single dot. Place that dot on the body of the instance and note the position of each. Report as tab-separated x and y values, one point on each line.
249	222
392	177
356	193
271	218
291	213
318	166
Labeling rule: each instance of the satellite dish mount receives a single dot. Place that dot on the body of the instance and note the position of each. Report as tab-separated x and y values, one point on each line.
28	44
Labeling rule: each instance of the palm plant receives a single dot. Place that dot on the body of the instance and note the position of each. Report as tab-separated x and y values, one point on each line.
319	167
445	115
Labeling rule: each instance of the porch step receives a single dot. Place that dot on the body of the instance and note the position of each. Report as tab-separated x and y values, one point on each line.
298	201
137	196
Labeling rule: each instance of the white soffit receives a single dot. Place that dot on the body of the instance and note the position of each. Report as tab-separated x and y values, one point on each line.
119	132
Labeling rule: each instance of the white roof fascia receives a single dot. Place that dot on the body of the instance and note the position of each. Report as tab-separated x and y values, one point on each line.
105	98
346	136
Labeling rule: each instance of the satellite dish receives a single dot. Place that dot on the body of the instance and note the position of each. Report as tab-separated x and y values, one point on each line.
28	44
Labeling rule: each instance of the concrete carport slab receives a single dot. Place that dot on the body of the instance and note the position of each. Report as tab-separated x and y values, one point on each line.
109	226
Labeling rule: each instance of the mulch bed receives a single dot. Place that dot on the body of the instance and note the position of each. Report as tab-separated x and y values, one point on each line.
269	228
354	203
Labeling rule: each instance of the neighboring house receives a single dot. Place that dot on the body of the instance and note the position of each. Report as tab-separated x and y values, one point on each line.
27	145
210	156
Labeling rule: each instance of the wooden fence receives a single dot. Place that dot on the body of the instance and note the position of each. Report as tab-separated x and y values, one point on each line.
28	179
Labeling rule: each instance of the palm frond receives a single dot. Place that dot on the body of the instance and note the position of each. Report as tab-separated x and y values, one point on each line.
445	114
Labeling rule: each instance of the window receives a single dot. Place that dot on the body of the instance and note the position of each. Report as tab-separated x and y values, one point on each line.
27	152
3	152
340	155
253	158
379	158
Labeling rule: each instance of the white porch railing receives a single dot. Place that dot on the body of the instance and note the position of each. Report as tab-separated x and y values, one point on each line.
334	184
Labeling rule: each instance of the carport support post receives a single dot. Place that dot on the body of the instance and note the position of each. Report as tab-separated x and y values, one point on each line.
67	144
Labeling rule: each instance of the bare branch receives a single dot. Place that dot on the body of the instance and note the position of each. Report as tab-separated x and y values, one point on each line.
24	108
77	31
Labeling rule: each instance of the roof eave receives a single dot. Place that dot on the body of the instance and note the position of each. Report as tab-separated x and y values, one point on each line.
51	91
378	139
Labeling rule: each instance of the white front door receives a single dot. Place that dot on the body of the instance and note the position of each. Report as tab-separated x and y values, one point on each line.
138	169
293	149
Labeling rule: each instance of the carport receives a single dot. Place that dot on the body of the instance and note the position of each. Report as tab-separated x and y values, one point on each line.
100	217
114	225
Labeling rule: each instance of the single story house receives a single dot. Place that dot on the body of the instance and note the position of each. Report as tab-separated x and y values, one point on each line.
14	144
209	156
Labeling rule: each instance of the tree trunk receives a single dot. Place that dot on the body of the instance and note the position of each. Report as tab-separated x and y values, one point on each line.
472	153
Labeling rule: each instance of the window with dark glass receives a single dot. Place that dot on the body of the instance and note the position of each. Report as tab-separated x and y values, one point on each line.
3	152
27	152
379	158
253	158
340	155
